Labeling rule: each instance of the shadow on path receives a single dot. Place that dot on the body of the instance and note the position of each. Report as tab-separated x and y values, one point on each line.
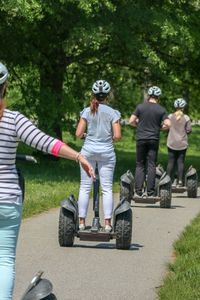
154	206
108	246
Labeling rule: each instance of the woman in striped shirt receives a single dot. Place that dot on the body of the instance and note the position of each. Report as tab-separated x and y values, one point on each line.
16	127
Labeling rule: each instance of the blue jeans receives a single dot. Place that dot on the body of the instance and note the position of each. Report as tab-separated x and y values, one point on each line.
10	220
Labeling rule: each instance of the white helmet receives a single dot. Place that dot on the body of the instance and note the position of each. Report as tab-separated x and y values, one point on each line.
180	103
101	86
3	73
154	91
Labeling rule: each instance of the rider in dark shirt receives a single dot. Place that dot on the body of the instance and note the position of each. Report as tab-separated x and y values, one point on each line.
149	117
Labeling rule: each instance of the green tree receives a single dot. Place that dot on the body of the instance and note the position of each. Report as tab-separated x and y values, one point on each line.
55	50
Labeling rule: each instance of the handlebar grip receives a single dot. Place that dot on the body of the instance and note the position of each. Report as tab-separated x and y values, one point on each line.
24	157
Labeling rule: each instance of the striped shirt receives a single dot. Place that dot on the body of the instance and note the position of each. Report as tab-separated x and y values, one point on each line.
15	127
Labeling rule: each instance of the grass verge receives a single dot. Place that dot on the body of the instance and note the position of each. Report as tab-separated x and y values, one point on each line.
182	281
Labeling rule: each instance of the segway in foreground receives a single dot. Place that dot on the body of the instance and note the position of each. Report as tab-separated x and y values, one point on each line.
39	288
190	183
69	222
162	189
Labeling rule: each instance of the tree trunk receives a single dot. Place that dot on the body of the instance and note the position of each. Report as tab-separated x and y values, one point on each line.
186	97
50	112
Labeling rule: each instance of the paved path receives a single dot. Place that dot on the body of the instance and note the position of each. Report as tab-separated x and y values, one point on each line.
92	270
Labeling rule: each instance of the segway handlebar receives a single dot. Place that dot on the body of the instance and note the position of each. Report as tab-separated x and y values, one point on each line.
28	158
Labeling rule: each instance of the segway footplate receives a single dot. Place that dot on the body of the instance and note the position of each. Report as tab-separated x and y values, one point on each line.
180	189
146	199
99	236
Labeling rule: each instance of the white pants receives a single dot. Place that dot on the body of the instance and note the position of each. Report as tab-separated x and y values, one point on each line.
106	166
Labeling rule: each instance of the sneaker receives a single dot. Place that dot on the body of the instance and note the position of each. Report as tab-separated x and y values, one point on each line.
81	227
180	184
137	195
108	228
174	183
151	196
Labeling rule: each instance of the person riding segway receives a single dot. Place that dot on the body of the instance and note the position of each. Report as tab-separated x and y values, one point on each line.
102	125
177	143
149	118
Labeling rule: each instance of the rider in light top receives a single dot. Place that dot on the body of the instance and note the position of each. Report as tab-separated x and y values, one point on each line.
177	141
103	127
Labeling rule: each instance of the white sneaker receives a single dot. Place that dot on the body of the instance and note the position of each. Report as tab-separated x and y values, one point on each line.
81	227
108	228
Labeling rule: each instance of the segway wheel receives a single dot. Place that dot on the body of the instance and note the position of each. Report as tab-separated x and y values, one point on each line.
165	196
123	230
125	192
66	231
50	297
192	186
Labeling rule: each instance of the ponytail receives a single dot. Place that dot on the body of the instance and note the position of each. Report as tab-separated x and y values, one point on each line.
94	104
178	114
2	107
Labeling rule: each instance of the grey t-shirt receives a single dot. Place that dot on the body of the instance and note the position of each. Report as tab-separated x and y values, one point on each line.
178	133
99	129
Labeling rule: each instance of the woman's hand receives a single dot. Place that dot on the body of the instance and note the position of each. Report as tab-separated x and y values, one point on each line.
67	152
86	166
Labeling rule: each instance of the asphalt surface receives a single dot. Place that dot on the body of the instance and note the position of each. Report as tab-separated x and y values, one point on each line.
93	270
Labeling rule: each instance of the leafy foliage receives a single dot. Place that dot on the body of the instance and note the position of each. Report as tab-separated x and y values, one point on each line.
56	49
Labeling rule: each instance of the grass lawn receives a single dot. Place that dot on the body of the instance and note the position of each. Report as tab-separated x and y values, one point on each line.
182	281
50	181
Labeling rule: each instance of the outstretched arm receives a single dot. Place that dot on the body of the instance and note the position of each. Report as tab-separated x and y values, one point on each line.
27	132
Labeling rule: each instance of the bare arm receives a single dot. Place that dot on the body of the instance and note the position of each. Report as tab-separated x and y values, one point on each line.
80	130
116	131
166	124
188	127
133	120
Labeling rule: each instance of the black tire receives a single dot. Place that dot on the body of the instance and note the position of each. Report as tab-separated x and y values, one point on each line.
192	186
50	297
165	195
123	230
66	230
125	192
157	180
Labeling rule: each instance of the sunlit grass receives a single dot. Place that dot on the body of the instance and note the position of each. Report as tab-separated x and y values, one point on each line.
49	181
183	278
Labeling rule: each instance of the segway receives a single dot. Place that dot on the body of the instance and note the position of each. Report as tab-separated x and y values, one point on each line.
27	158
69	221
162	189
39	288
190	183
